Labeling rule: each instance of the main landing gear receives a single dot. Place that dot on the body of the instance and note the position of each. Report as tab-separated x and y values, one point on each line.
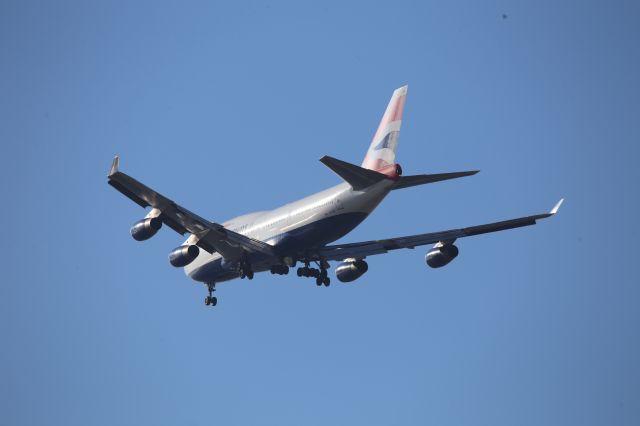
245	270
319	274
211	300
280	269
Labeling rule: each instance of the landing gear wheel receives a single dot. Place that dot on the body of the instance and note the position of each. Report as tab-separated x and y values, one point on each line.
318	281
210	300
326	281
250	275
299	272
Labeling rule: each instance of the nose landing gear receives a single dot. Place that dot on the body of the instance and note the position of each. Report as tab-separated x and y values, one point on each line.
211	300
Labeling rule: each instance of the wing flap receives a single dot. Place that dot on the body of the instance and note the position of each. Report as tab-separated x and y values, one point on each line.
129	194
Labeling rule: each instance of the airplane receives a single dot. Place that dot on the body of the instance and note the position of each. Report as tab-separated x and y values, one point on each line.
302	231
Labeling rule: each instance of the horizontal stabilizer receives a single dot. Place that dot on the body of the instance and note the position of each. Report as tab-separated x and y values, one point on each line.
408	181
358	177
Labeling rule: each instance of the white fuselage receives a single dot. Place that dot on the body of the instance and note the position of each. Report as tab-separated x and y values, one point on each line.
311	222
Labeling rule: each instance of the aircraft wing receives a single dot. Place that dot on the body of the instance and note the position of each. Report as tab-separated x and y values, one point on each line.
370	248
210	236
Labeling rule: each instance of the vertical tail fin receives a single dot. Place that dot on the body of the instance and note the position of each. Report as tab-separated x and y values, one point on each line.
382	151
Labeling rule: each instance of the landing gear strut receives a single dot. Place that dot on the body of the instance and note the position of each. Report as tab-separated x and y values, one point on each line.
319	274
211	300
245	270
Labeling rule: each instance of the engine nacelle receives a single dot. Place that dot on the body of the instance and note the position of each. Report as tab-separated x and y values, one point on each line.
183	255
146	228
351	270
441	254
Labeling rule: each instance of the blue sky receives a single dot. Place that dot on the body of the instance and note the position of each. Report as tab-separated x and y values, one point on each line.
226	108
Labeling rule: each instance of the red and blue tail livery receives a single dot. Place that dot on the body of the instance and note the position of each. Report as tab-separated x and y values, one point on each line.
382	152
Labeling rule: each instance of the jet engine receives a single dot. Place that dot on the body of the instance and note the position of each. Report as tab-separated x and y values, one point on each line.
146	228
183	255
351	270
441	254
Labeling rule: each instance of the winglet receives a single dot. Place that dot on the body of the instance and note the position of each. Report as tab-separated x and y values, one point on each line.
115	166
555	208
